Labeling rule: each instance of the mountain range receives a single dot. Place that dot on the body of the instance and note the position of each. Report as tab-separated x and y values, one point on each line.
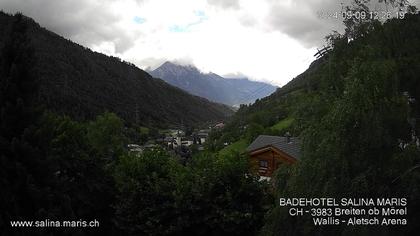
75	81
230	91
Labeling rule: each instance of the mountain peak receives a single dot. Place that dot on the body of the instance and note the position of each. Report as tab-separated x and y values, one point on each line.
211	85
168	64
176	68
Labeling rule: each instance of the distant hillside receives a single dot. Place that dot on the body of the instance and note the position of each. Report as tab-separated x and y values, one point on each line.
327	78
212	86
81	83
357	111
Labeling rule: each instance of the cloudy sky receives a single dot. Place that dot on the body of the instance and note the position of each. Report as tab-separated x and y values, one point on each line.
265	40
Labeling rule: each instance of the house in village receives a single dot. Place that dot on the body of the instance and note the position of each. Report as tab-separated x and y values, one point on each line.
220	125
268	153
172	143
135	148
139	149
184	141
202	136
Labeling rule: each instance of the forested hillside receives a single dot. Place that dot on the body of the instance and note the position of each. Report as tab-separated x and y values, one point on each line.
64	158
356	110
76	81
395	41
58	174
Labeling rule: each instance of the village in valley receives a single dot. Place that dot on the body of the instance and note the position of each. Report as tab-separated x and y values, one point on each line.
266	153
178	141
209	118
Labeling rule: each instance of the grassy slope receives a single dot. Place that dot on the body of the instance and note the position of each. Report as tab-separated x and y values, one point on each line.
283	124
238	146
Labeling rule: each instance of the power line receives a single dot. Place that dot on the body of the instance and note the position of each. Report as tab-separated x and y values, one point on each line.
256	91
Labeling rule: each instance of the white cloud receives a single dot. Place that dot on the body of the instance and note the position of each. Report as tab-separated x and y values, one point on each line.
88	22
228	40
266	40
224	3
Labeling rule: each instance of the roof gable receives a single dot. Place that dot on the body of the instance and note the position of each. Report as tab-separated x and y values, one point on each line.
292	148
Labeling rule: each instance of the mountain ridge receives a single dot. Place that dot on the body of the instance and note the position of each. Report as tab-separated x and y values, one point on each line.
212	86
78	82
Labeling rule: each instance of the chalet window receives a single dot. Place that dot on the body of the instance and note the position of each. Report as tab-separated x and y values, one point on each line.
263	164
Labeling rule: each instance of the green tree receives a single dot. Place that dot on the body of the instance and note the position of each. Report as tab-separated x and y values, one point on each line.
210	196
106	135
349	145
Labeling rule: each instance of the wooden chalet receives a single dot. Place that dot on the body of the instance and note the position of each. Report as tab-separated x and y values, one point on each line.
268	153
